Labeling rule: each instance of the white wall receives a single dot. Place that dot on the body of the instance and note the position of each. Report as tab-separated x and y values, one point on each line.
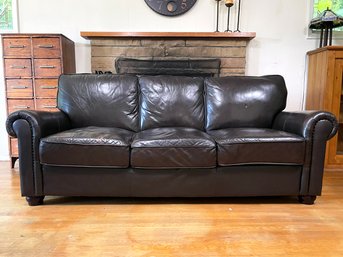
279	48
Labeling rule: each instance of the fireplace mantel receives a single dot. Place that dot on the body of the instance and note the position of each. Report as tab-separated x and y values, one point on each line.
108	35
230	48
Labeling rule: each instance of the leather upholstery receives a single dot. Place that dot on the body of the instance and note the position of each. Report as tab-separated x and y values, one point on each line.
42	123
233	102
244	180
99	100
173	148
316	127
94	146
87	147
303	123
168	101
30	127
237	146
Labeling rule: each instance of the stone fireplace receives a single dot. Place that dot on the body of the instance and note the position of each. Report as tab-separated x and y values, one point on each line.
228	48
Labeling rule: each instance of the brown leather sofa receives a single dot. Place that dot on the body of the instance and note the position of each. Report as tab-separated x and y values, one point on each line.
170	136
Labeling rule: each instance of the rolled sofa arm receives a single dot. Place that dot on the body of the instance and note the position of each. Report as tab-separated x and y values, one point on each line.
304	123
29	127
316	127
42	123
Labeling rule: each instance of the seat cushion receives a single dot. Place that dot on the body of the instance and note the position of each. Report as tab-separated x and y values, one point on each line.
171	101
173	148
258	146
89	146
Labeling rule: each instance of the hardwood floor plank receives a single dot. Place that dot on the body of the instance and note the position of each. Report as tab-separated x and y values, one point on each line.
71	226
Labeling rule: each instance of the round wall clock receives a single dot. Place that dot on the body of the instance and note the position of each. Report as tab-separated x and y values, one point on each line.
170	7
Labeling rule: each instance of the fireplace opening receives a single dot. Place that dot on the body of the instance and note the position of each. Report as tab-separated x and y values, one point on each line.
184	67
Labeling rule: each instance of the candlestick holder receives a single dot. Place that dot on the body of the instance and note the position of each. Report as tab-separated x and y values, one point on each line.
217	15
228	4
239	15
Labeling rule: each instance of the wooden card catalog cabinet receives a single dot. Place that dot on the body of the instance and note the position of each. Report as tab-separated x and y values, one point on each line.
32	65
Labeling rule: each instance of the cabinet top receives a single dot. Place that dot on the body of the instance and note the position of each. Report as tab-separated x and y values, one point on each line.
11	35
326	48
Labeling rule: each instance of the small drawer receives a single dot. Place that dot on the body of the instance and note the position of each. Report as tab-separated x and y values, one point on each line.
17	47
19	88
18	68
49	105
47	67
46	88
14	147
46	47
23	104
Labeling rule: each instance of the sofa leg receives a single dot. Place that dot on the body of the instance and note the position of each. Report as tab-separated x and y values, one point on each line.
307	199
13	159
34	200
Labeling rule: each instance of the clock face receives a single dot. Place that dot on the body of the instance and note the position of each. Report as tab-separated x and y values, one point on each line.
170	7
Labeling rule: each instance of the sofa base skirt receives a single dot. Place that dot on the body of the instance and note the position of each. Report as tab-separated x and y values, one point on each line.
248	180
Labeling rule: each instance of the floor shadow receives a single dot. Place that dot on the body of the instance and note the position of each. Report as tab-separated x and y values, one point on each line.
173	200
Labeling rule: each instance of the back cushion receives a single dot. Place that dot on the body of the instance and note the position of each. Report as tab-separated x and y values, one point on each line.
244	101
99	100
171	101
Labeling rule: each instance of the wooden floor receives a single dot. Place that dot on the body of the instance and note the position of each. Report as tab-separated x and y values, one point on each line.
152	228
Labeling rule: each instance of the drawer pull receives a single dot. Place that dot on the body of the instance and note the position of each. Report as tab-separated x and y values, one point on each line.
21	107
46	46
49	106
18	67
47	67
17	46
20	87
48	87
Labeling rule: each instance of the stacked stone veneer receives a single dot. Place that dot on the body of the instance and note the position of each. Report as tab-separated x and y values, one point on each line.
232	52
